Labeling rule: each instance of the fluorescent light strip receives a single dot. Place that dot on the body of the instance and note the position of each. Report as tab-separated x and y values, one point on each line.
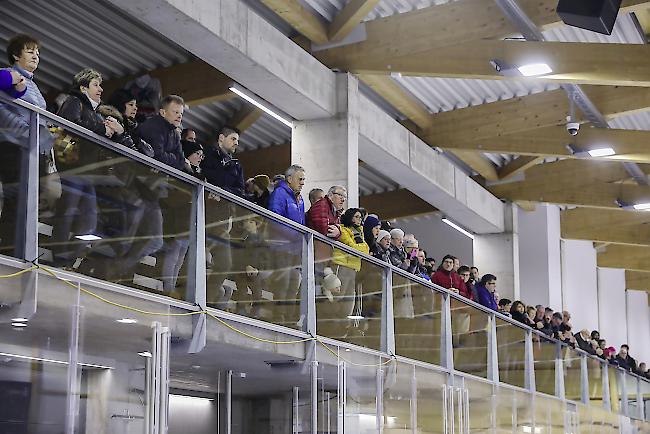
18	324
642	206
458	228
189	398
58	362
534	69
261	106
88	237
355	317
602	152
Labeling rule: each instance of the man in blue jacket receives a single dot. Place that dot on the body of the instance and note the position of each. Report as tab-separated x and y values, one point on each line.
285	199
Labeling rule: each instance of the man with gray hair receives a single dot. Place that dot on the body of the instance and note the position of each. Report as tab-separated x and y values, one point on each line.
324	215
285	199
315	195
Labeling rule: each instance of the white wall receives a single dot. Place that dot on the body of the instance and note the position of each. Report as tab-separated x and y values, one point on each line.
638	325
195	416
438	238
580	283
611	306
539	256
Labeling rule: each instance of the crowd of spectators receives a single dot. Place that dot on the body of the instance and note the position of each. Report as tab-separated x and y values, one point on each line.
158	134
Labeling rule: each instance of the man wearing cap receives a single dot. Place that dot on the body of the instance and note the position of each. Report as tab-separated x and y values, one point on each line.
193	152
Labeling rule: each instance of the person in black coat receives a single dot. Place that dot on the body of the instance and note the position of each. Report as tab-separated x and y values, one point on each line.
161	132
219	166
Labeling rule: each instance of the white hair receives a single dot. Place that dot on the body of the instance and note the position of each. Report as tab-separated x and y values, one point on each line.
293	169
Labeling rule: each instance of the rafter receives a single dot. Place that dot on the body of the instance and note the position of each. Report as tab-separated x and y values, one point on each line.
571	62
629	145
637	280
349	17
629	257
182	80
616	226
395	204
527	113
244	117
301	19
518	165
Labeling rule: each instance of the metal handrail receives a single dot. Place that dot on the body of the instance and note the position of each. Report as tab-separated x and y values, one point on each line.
303	230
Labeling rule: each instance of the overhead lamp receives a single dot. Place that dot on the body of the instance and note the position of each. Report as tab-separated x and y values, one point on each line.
126	321
243	93
601	152
18	324
57	362
458	228
642	206
355	317
145	354
20	319
88	237
534	69
190	398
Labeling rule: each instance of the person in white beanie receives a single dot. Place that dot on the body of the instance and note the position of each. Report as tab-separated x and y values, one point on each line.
380	248
396	253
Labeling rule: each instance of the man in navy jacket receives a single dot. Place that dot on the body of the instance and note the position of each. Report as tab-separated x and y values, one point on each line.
219	166
161	133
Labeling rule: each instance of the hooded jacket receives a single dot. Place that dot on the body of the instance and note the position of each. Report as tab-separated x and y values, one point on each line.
353	237
285	202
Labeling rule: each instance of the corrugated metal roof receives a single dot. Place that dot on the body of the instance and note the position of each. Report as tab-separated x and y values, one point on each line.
635	121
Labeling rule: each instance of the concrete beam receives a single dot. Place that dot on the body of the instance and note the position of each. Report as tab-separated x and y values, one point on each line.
228	35
402	156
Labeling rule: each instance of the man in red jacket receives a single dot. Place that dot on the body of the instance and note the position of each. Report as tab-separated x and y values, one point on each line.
324	215
446	276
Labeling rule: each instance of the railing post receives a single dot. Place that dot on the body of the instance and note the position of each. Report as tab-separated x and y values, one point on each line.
196	287
607	399
493	353
639	400
622	380
559	372
27	219
529	360
308	286
584	379
446	345
387	314
74	372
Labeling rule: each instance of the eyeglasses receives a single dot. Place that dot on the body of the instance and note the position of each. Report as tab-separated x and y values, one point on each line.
491	283
343	196
465	274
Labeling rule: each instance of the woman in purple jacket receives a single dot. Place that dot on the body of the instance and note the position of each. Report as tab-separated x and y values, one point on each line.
485	291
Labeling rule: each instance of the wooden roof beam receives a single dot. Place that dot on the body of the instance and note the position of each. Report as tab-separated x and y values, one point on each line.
518	165
637	280
301	19
571	62
349	17
628	257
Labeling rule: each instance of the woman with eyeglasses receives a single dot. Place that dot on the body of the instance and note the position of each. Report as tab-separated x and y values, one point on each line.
485	291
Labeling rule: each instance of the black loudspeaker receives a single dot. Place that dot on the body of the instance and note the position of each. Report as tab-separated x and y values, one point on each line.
595	15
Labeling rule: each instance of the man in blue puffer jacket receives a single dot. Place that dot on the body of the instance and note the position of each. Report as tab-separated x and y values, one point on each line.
286	200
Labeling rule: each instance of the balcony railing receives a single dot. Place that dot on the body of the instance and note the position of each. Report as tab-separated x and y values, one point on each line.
112	213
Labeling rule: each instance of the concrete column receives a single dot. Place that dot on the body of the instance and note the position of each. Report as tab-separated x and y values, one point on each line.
540	277
580	283
638	325
328	148
498	254
611	306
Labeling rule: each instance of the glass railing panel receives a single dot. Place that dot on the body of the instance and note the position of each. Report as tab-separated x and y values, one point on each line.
511	341
348	296
431	405
418	314
397	397
545	353
645	393
595	376
363	377
613	376
572	374
633	405
115	218
549	415
253	263
14	142
469	327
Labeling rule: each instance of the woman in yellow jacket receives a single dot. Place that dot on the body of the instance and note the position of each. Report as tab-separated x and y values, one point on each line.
346	265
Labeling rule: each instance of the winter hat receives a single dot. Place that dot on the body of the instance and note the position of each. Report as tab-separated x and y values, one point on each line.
397	233
411	242
190	147
382	234
262	181
371	222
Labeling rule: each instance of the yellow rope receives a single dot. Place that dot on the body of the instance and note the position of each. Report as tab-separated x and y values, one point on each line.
199	312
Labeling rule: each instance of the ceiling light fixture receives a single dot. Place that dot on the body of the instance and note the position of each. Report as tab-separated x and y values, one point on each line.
126	321
359	317
534	69
642	206
243	93
601	152
145	354
458	228
190	398
20	319
18	324
88	237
